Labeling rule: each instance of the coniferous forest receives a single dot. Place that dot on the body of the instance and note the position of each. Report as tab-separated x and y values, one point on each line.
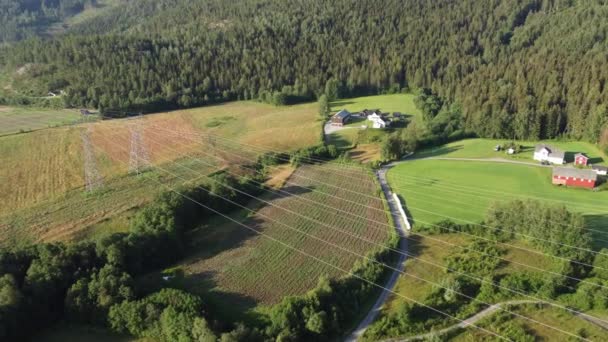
523	69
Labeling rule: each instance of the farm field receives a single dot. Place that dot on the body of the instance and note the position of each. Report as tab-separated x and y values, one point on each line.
19	119
43	171
435	190
484	148
239	271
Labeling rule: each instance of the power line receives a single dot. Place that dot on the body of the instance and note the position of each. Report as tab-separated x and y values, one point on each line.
93	179
321	160
322	223
475	236
139	159
501	229
324	262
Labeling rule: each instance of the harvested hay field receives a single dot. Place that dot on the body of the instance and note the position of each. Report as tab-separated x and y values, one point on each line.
42	172
239	267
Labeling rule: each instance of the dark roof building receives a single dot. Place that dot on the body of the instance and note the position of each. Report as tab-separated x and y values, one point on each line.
340	118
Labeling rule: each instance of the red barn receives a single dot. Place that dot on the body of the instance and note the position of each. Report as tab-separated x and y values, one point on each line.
581	159
570	176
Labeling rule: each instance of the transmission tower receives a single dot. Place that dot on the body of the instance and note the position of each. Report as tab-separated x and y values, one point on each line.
138	158
92	176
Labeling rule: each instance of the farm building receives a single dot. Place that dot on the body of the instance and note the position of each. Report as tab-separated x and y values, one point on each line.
549	154
340	118
574	177
600	170
581	159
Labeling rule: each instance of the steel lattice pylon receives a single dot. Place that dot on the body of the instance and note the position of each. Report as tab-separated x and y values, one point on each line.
139	159
92	176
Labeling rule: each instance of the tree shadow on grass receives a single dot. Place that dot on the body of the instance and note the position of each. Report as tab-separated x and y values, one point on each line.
341	103
598	227
339	141
569	157
294	190
595	160
437	152
525	148
226	306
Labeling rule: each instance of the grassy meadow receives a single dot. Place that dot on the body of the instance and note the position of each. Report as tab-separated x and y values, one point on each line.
484	148
42	172
434	190
403	103
238	270
20	119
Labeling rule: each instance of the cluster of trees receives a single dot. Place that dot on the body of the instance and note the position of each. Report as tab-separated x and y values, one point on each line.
518	69
92	282
23	19
442	122
552	228
481	259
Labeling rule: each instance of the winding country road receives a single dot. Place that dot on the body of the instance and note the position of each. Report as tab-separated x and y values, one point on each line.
403	248
490	310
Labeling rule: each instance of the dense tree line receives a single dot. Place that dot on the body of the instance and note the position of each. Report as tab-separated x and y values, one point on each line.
23	19
523	69
85	282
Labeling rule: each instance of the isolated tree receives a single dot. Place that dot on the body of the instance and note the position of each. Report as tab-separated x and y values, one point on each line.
323	106
331	89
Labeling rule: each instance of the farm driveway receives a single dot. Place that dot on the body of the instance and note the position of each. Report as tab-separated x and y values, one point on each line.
329	128
494	160
387	289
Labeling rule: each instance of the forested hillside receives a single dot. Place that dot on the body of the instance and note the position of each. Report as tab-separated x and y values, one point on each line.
518	68
27	18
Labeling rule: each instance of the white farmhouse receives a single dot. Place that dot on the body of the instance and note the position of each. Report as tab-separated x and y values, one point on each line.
377	121
549	154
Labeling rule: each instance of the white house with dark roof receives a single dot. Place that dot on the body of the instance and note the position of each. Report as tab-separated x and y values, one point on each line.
549	154
378	121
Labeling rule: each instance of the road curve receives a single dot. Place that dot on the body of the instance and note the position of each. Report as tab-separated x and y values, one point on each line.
490	310
403	248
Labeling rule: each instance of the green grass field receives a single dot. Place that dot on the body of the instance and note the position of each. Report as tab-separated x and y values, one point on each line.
435	190
42	172
484	148
403	103
238	270
20	119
